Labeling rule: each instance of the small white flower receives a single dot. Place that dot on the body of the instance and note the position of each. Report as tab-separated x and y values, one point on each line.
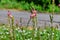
48	34
28	39
31	38
44	30
24	31
40	32
19	30
1	33
35	35
35	28
7	32
7	29
16	29
3	26
4	29
1	36
52	33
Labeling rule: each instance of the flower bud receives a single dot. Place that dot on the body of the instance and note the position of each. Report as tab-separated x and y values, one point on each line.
9	14
32	15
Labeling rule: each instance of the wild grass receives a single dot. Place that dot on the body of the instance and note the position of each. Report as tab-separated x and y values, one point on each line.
7	33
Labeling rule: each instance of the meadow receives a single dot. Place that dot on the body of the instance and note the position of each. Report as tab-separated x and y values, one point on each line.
13	31
29	33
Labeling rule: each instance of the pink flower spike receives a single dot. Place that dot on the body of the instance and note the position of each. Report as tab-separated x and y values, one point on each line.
10	16
59	5
32	15
9	13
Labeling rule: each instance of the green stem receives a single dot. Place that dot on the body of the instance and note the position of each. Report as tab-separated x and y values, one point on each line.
20	22
13	36
38	34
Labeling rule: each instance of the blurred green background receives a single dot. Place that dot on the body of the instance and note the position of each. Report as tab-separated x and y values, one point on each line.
40	5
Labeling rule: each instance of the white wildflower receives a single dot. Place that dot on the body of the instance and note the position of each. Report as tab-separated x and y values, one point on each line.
52	33
31	38
19	30
35	35
48	34
35	28
7	29
16	29
24	31
44	30
7	32
1	36
28	39
3	26
1	33
40	32
4	29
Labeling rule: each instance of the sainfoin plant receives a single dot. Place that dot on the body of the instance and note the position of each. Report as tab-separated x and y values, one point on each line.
12	32
11	22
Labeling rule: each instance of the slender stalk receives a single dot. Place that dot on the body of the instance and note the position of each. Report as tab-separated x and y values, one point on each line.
52	19
28	22
8	21
13	27
53	6
21	22
10	31
12	36
38	33
33	33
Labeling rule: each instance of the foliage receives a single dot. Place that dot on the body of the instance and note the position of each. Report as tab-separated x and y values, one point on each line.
40	5
26	34
56	8
24	5
39	8
5	2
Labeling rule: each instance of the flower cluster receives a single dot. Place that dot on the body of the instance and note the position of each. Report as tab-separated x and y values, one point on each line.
33	14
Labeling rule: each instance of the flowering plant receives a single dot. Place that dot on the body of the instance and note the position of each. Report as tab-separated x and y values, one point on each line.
9	14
